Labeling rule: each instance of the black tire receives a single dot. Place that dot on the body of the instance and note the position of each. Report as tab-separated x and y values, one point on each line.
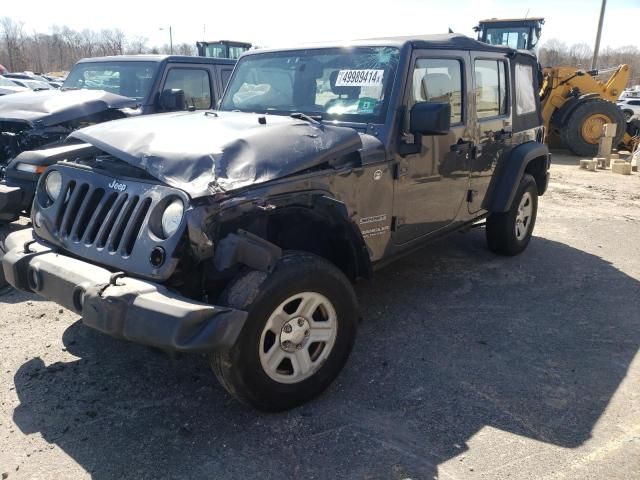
240	371
501	226
571	133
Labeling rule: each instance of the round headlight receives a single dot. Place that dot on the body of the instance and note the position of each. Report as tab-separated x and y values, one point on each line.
172	217
53	185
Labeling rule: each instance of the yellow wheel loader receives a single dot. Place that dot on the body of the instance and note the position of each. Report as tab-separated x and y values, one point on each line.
575	103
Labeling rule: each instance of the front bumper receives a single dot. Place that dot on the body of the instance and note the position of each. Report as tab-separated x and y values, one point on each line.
15	198
124	307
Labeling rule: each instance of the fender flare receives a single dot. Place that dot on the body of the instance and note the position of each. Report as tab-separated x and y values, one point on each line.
251	247
358	248
508	179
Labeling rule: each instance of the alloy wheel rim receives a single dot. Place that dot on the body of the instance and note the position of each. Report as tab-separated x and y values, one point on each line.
298	337
524	215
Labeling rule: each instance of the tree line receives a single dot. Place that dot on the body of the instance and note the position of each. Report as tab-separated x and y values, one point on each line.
555	53
62	47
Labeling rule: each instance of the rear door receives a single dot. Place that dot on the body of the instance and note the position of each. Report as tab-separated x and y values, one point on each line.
491	80
431	186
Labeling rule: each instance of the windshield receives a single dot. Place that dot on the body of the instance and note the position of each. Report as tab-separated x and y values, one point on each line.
512	37
129	79
350	84
4	82
36	84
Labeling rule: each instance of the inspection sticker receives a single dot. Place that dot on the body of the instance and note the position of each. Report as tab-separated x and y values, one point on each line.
359	78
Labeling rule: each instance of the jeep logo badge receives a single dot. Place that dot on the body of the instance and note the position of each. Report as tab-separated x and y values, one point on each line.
121	187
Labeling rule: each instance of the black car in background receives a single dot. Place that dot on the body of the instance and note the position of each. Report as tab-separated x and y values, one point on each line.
96	90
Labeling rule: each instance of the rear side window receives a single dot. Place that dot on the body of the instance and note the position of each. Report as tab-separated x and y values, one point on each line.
525	95
195	84
491	88
439	80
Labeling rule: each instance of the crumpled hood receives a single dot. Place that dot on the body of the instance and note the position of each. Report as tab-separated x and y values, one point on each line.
51	107
205	152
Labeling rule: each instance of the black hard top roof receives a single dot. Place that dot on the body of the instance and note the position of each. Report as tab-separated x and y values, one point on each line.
159	58
447	41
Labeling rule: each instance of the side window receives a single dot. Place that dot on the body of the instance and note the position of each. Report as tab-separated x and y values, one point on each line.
438	80
491	88
634	102
194	82
226	75
525	96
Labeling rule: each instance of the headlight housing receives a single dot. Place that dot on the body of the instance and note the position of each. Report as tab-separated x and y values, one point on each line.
53	185
172	217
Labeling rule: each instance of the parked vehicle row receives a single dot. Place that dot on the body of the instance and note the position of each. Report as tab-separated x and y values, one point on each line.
8	86
630	108
238	232
96	90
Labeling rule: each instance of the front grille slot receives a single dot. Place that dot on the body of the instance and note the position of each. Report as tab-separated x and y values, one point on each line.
110	220
100	213
133	230
71	213
121	223
65	195
89	208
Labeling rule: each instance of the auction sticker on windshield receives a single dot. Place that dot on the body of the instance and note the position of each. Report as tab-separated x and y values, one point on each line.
359	78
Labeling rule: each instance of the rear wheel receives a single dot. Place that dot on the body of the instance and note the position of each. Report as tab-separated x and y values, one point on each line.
298	335
582	132
509	233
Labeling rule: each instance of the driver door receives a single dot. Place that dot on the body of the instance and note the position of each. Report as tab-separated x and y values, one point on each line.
431	186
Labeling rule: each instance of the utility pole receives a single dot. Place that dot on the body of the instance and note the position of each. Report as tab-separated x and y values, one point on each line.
170	39
594	62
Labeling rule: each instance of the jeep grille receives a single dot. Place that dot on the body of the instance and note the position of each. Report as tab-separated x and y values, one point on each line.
104	219
117	228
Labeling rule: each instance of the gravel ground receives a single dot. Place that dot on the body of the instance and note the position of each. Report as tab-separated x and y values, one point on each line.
467	365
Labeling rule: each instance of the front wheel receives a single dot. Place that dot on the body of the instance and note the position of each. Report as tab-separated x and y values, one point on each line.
509	233
298	335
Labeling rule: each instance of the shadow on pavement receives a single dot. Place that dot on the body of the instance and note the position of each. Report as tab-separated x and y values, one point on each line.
454	339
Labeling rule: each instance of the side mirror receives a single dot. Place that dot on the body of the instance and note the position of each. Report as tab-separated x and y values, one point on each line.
172	99
430	118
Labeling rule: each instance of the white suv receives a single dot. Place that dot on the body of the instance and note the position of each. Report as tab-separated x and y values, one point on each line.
630	107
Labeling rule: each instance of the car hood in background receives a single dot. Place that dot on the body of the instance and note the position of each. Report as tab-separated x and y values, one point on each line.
16	89
206	152
52	107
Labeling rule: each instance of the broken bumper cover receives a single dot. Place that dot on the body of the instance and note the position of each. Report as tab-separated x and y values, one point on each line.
123	307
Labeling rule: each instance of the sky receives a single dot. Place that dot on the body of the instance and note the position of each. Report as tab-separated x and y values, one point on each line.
287	22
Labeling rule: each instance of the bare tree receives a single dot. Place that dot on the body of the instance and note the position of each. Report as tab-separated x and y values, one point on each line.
137	45
185	49
13	39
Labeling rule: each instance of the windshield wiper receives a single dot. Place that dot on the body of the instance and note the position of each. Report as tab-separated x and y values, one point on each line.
309	118
64	89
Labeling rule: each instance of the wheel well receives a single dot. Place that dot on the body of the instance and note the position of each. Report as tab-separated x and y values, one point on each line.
306	230
537	168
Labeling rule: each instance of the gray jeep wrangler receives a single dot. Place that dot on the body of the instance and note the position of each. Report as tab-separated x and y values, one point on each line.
238	233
